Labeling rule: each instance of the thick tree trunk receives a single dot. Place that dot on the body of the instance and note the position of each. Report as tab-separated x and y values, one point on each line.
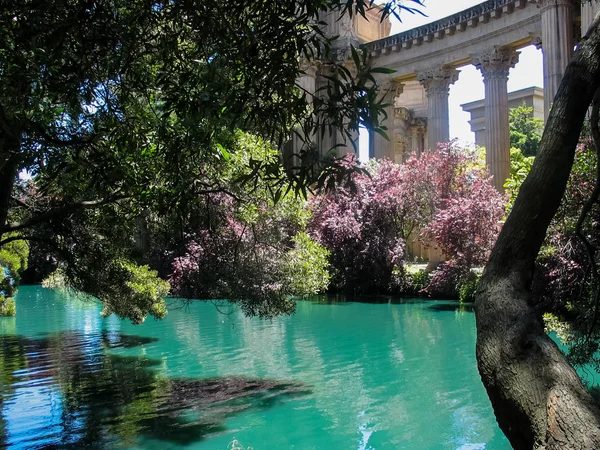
9	167
538	398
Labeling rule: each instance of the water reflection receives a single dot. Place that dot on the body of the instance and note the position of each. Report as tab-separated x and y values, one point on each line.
452	307
96	399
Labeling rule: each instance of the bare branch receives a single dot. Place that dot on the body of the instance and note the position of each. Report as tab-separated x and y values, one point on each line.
41	131
60	212
18	238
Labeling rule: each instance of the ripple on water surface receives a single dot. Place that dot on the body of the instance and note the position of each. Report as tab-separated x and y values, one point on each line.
350	375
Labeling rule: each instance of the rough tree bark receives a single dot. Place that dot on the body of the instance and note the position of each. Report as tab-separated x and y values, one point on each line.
9	167
537	397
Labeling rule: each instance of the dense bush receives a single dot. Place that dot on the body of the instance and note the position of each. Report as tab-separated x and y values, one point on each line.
563	286
360	224
461	212
246	246
13	261
443	195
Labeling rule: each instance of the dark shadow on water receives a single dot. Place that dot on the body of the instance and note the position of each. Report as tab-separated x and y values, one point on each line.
335	299
451	307
115	340
110	400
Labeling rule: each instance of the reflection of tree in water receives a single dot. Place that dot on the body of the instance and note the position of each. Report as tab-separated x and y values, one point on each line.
12	359
110	400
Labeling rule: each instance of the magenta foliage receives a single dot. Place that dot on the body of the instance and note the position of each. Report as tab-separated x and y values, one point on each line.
359	224
466	216
467	225
442	195
236	259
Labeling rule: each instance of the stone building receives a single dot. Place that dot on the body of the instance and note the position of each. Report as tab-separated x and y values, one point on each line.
427	59
532	97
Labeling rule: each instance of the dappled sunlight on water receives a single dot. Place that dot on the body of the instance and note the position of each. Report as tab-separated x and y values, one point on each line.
94	398
341	375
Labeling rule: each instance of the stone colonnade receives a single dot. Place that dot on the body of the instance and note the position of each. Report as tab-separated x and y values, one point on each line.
554	36
495	63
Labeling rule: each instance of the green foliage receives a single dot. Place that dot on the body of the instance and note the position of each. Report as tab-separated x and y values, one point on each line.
525	130
417	279
14	255
125	289
467	287
127	114
520	165
7	306
13	260
553	323
142	292
306	266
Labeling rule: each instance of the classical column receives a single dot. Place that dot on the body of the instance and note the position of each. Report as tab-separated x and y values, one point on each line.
379	146
557	44
415	146
307	81
307	85
495	65
436	82
402	119
588	11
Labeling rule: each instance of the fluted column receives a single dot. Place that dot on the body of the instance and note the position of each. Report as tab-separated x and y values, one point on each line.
588	11
414	140
495	65
557	44
379	146
436	82
307	85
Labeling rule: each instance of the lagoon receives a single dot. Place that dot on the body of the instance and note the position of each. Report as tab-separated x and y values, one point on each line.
394	375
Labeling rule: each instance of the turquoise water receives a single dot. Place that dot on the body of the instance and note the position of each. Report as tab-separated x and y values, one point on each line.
333	376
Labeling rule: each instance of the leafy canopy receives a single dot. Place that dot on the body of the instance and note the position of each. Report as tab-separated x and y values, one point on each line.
120	110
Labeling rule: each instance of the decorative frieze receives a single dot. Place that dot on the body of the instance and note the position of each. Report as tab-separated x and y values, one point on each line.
471	16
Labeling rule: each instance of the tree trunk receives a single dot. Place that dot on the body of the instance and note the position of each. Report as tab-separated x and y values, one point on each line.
537	397
9	167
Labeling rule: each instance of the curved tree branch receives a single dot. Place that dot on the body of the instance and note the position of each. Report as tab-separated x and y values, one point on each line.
59	212
538	398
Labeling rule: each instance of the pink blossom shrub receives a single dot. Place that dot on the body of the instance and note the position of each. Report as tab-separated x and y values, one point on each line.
443	195
253	254
359	223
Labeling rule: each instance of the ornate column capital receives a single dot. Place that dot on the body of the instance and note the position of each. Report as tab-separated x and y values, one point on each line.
537	41
496	62
402	113
309	68
437	80
391	89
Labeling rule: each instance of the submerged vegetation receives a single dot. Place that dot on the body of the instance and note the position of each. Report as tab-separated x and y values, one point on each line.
119	399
